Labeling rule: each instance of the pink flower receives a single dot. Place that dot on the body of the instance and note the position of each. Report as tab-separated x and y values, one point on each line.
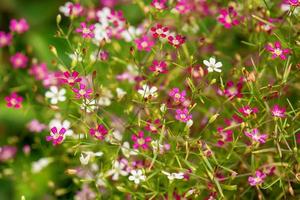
232	90
144	43
159	31
294	2
19	60
56	136
82	92
19	27
14	101
183	115
35	126
159	4
257	179
39	71
247	111
177	95
255	136
183	6
176	41
86	32
140	141
234	120
5	39
153	126
277	50
7	153
159	67
278	112
226	136
109	3
70	78
99	133
116	18
228	17
76	9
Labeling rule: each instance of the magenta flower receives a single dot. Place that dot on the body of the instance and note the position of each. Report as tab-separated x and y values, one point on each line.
234	120
140	141
294	2
183	115
82	92
176	41
70	78
159	31
56	136
154	126
99	133
5	39
159	67
19	27
255	136
232	90
277	50
247	110
228	17
19	60
76	9
278	112
159	4
7	153
14	101
35	126
86	32
39	71
183	6
226	136
257	179
144	43
177	95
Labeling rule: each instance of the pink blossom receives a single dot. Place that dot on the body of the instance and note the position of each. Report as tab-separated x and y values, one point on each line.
159	67
256	136
226	136
86	32
5	39
70	78
140	141
294	2
154	126
177	95
19	27
247	110
183	115
75	9
144	43
232	90
103	55
19	60
14	101
109	3
159	4
176	41
257	179
39	71
35	126
7	152
116	18
228	17
100	132
159	31
235	120
183	6
56	136
278	111
82	92
277	50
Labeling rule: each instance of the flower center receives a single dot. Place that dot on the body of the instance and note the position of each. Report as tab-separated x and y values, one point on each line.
144	44
278	51
82	92
141	141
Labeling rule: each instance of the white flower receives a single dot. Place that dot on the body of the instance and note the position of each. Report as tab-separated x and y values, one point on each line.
89	105
148	92
115	137
131	33
157	147
37	166
120	93
103	15
189	123
59	124
56	95
212	65
87	155
119	168
100	34
100	181
137	176
105	98
75	57
172	176
65	9
127	152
